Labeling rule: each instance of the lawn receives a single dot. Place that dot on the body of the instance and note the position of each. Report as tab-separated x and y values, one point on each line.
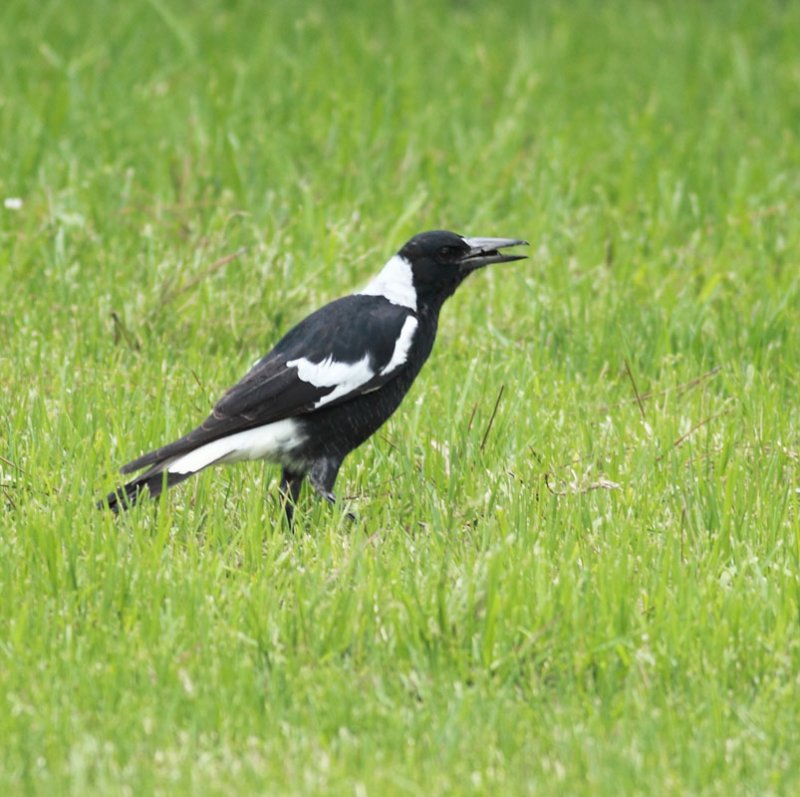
575	567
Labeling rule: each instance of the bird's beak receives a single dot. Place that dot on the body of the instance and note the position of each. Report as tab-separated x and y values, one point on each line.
484	251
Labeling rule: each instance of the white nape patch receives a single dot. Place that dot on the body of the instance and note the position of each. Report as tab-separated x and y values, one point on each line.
394	282
400	353
342	377
271	442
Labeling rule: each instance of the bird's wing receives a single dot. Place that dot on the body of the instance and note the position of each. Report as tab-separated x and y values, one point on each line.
349	347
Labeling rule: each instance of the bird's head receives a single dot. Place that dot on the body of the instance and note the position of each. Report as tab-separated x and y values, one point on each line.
441	260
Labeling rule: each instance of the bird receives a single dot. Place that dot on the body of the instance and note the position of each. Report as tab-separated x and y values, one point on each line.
331	382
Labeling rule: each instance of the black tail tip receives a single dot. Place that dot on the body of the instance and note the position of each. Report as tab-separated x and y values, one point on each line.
125	496
122	499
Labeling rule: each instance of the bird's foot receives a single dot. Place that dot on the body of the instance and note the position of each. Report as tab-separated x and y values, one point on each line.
322	478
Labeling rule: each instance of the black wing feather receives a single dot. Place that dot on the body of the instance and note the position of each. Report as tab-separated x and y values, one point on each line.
345	330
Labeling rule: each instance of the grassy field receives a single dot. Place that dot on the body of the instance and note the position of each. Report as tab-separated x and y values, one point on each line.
594	590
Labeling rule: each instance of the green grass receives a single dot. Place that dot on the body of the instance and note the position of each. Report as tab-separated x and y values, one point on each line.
498	620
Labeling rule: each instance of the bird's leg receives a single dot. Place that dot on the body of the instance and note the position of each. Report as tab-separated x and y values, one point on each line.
323	476
290	492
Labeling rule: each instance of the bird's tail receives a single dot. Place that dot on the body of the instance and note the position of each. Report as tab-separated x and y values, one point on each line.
155	481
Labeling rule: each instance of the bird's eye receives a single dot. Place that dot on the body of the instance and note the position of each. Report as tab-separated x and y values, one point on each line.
447	252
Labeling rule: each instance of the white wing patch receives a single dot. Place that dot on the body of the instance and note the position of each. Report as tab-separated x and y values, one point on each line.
400	353
342	377
395	282
274	442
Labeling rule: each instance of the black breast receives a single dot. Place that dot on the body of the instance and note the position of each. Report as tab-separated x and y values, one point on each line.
335	431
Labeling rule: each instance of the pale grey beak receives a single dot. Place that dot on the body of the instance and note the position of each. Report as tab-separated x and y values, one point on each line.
484	251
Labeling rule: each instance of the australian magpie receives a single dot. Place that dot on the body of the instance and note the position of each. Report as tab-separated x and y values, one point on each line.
331	381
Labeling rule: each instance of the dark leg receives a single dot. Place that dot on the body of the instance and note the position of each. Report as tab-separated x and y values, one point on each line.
290	492
323	476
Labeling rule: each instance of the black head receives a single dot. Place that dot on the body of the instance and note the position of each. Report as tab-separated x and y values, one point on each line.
441	260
